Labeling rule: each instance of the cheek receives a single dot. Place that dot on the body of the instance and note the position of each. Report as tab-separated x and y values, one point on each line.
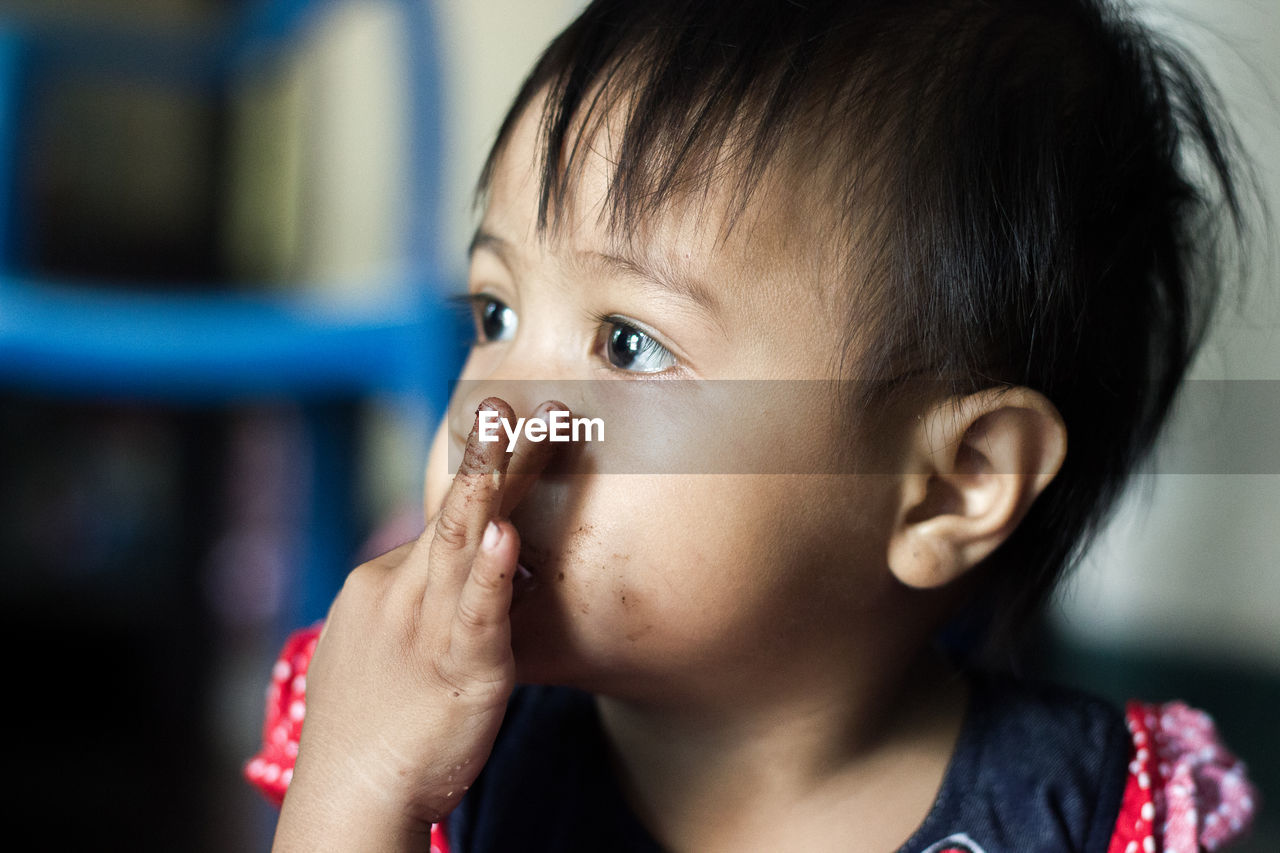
708	566
621	553
684	580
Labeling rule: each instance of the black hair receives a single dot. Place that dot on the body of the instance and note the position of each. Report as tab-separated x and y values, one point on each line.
1026	193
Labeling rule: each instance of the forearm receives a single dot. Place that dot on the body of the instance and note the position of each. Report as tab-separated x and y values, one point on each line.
312	822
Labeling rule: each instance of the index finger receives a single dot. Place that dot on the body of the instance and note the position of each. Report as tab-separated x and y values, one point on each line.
473	499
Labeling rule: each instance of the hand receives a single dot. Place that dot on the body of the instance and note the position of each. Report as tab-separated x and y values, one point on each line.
414	668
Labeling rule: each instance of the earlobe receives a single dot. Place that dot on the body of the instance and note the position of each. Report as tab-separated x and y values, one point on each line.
974	466
922	560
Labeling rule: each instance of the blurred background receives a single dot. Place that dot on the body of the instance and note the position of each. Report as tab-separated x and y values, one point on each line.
225	228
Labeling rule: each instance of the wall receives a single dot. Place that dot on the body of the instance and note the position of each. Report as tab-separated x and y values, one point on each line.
1190	563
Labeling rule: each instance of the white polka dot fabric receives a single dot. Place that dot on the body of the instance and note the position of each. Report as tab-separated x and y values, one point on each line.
1186	791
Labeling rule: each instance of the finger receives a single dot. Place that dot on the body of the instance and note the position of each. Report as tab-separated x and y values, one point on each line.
482	628
474	497
527	461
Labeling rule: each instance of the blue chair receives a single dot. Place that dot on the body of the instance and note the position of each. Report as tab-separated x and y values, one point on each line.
93	340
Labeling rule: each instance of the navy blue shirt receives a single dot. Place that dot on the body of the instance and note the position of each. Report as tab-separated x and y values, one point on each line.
1036	769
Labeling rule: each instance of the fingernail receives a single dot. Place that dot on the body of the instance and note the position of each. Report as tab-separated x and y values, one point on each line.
492	536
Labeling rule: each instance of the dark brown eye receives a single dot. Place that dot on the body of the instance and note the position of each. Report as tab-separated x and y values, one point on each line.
495	321
628	348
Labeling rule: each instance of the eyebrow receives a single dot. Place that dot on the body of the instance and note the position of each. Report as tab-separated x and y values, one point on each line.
660	275
484	240
683	287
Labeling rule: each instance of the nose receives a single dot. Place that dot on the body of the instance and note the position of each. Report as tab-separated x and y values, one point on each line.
516	380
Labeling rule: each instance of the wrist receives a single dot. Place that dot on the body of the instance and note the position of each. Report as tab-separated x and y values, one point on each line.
340	817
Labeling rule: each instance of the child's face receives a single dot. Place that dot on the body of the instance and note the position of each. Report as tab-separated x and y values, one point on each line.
666	583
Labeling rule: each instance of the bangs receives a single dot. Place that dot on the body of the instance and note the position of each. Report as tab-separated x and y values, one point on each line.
690	98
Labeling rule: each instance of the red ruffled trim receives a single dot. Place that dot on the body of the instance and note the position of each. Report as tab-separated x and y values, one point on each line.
271	770
1186	791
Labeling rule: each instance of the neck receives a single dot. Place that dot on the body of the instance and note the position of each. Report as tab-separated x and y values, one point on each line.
870	749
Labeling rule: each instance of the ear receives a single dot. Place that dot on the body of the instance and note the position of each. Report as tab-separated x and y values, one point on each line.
974	466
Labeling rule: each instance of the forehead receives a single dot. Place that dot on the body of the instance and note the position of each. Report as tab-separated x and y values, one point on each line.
774	239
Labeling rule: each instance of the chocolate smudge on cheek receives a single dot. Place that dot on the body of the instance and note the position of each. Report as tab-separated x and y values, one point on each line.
560	565
579	541
632	636
632	604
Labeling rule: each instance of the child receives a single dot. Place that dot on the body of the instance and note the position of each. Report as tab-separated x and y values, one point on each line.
972	224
